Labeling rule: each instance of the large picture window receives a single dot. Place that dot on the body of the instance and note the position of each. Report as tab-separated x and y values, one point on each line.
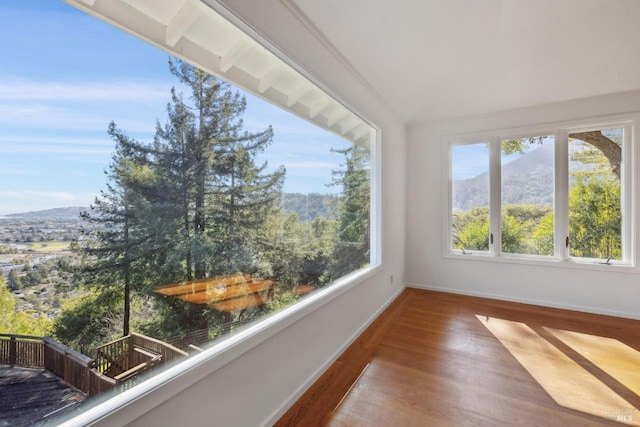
154	206
563	196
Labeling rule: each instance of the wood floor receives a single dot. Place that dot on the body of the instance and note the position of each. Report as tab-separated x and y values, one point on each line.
437	359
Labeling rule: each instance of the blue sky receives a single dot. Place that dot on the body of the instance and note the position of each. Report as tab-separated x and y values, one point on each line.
65	76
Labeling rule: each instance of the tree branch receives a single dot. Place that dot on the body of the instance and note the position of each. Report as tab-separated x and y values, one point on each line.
611	150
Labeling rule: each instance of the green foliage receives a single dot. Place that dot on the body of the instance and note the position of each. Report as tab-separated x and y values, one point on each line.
15	281
595	219
521	229
296	252
88	321
594	224
520	145
513	235
281	301
19	323
471	229
542	242
519	226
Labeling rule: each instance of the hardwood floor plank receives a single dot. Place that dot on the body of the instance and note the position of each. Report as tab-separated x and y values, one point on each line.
317	404
430	359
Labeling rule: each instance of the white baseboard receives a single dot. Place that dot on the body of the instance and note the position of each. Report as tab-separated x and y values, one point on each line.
552	304
276	415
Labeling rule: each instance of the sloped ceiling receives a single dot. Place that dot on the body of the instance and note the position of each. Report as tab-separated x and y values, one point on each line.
439	59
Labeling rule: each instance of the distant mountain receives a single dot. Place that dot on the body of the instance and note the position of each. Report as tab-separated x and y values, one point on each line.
68	213
306	206
525	180
309	206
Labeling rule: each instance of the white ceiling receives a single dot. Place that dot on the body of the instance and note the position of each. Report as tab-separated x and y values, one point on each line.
439	59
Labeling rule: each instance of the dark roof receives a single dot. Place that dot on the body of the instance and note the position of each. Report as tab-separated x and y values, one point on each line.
33	396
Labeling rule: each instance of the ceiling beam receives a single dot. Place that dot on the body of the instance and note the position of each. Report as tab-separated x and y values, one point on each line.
363	130
269	78
350	125
315	110
233	55
180	24
341	114
297	94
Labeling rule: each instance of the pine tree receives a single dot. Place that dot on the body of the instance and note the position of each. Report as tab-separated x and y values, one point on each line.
184	207
210	192
207	162
353	249
118	244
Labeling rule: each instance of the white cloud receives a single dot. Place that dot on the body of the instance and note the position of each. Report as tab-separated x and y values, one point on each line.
133	105
79	117
114	91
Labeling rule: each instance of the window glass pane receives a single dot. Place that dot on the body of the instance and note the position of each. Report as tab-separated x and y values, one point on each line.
470	197
527	196
595	219
204	208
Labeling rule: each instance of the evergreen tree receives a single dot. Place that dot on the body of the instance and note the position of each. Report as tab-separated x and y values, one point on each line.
115	253
242	197
214	194
353	249
206	161
185	207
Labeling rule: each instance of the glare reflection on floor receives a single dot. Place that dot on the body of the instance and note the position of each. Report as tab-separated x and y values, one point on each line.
568	383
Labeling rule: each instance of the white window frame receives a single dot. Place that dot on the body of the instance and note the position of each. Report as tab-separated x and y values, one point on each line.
560	131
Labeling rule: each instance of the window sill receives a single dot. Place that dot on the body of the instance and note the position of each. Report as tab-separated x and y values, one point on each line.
541	261
131	404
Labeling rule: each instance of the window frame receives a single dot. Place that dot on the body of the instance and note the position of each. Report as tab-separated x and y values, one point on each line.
560	132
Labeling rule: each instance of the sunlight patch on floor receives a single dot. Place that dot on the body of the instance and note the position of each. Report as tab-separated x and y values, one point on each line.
612	356
569	384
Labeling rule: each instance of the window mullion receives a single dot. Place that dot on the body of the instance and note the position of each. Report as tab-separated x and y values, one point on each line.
626	180
495	198
561	195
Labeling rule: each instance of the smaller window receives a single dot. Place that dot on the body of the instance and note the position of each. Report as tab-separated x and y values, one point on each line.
595	198
470	198
527	225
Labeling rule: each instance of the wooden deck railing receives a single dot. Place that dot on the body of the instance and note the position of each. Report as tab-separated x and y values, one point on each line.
130	355
44	353
75	368
116	363
21	350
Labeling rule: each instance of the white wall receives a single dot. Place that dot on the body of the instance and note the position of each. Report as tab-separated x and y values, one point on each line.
600	291
256	387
